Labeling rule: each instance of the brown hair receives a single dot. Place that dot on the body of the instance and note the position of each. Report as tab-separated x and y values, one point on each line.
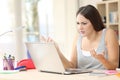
91	13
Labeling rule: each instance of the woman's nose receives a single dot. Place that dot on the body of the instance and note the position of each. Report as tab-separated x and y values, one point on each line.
80	27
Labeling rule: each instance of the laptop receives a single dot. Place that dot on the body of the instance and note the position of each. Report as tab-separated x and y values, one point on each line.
46	59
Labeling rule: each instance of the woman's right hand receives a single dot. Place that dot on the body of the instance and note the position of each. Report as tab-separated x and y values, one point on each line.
49	40
44	39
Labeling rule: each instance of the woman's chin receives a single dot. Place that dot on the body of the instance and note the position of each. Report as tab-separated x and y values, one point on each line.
83	35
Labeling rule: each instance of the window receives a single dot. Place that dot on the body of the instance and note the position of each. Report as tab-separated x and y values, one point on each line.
46	17
38	18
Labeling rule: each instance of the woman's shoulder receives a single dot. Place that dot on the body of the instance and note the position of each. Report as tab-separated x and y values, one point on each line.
110	34
110	31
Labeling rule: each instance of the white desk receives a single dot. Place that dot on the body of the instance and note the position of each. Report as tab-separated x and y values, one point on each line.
35	75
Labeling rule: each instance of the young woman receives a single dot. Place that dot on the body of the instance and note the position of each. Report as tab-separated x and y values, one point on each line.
95	47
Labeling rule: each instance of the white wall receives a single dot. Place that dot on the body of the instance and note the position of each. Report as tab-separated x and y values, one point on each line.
64	22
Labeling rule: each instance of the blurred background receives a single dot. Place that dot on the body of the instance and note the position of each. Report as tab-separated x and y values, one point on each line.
49	18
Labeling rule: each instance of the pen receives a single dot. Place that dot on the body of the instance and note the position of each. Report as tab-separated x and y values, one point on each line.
21	68
10	62
5	63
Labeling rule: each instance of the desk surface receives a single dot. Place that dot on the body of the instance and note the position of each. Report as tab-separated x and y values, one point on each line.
35	75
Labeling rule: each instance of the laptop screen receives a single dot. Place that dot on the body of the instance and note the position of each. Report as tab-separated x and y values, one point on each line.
45	57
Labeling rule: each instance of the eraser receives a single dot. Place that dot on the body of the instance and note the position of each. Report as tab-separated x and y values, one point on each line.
111	72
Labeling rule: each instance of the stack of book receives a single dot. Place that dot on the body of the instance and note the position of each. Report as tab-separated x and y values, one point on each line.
113	17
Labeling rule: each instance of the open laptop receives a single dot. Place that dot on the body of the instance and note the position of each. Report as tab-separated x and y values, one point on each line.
46	59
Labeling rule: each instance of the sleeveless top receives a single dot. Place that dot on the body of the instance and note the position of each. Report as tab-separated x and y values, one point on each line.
84	58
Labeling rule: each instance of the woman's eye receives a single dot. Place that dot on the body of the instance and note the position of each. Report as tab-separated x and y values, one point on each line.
78	23
83	23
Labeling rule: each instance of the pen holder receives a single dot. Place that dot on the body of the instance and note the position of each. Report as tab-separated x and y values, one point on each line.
8	64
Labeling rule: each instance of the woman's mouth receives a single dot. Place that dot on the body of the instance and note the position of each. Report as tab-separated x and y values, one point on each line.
82	32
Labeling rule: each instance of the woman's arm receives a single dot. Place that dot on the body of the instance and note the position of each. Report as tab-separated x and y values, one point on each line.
112	45
66	63
113	51
73	58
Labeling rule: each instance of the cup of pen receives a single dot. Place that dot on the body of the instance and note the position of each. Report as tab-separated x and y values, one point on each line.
8	63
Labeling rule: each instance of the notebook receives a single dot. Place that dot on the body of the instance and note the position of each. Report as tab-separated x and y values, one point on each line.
46	59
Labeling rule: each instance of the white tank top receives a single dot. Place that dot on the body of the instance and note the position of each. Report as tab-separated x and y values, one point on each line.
84	58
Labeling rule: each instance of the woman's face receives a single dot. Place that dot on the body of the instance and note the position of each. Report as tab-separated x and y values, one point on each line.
84	26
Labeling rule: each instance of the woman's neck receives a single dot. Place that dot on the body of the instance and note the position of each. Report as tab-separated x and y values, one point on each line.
93	36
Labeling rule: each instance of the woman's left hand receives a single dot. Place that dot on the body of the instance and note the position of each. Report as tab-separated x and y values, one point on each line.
99	56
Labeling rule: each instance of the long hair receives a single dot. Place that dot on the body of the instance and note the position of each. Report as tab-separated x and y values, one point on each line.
92	14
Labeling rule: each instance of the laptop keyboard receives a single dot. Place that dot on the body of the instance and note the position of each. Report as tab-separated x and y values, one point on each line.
72	70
